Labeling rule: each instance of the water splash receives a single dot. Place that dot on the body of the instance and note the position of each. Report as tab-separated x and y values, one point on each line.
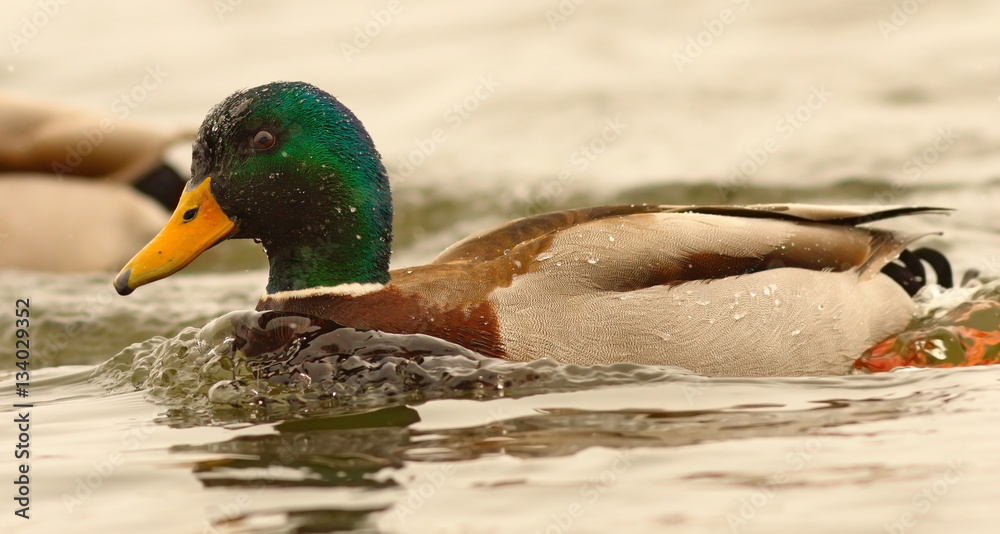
275	359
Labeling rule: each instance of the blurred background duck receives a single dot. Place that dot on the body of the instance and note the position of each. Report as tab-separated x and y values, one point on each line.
80	191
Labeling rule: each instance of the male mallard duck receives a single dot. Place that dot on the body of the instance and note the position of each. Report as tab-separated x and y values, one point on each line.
57	164
722	290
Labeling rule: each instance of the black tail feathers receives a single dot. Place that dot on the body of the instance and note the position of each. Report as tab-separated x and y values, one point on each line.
908	269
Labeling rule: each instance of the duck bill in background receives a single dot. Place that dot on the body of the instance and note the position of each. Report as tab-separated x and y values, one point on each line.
197	225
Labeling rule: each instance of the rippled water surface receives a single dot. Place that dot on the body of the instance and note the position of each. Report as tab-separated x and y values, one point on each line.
175	410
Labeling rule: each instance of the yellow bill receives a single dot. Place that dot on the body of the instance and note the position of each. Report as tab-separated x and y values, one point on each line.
197	224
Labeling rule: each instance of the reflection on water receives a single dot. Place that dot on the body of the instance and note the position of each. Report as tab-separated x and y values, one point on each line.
343	410
367	449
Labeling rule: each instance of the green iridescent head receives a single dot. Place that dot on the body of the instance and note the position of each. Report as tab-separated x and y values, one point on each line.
288	165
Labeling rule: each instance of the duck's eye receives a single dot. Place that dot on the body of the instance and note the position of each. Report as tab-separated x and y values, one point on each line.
263	140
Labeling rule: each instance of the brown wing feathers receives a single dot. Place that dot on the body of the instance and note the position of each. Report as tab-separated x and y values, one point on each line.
819	241
492	243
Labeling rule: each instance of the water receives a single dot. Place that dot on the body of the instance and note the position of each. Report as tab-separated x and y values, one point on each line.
586	107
